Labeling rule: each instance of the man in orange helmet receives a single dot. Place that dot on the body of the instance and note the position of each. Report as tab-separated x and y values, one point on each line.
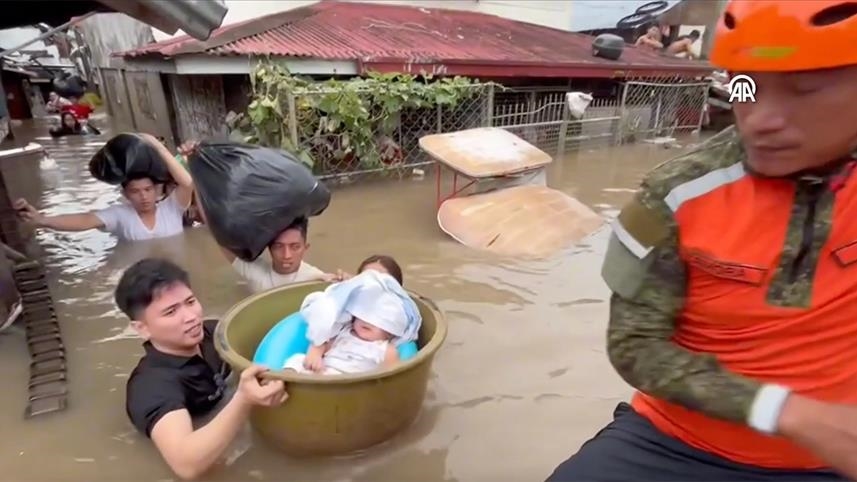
734	274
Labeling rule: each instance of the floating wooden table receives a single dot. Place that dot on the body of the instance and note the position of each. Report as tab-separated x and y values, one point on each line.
524	220
485	153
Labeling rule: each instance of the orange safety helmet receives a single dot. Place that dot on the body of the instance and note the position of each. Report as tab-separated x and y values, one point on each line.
786	35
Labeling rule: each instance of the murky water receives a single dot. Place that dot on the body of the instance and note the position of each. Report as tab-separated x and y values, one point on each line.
521	382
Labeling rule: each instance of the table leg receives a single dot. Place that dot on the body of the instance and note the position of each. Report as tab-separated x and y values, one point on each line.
440	198
437	196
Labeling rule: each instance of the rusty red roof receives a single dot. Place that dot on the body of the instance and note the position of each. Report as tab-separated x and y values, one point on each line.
394	38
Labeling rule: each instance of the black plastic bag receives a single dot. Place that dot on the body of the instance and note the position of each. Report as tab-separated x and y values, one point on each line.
250	194
70	86
128	156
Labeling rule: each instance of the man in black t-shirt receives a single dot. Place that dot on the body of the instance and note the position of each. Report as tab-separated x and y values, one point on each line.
181	378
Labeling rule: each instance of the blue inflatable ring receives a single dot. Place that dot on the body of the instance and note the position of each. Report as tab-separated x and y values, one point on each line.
289	337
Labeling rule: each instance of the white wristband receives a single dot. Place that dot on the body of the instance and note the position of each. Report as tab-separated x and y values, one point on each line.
766	408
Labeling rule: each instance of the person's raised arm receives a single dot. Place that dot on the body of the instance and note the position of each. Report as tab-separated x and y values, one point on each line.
190	453
655	43
184	182
647	277
645	40
62	222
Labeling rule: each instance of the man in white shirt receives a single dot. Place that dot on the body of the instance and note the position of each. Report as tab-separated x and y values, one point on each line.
286	264
141	217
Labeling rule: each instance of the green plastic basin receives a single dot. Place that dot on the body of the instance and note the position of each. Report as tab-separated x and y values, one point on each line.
330	414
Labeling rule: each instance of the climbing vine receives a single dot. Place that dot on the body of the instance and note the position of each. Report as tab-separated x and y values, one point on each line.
345	122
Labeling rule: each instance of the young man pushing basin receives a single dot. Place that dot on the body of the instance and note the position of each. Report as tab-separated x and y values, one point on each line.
178	394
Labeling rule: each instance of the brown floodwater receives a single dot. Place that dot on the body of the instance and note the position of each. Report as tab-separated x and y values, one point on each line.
521	382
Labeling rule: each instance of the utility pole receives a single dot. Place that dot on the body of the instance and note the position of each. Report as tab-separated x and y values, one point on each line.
708	36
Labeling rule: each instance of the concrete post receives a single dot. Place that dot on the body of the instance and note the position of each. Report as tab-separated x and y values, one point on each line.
708	36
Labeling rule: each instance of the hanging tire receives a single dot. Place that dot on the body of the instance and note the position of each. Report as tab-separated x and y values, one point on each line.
653	8
634	20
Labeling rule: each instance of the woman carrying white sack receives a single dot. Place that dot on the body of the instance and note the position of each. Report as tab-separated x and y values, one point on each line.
357	325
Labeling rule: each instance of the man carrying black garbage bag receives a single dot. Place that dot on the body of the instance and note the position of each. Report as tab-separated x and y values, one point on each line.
255	199
144	216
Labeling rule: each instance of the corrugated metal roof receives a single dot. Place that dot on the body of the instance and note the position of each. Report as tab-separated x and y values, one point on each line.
198	19
393	36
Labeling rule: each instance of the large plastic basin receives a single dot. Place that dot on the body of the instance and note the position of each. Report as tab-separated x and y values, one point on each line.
331	414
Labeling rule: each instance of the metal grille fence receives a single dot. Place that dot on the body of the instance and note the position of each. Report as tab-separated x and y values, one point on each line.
396	148
639	109
655	109
542	118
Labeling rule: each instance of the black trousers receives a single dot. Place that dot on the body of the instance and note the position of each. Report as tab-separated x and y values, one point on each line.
630	448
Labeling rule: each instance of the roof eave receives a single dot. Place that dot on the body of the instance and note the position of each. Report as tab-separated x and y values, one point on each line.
494	69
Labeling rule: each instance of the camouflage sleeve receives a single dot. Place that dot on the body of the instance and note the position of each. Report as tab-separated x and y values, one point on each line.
648	280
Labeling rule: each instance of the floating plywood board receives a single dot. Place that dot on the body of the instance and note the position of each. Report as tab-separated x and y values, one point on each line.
484	152
530	221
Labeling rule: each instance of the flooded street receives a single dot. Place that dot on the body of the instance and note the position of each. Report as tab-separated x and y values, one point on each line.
521	382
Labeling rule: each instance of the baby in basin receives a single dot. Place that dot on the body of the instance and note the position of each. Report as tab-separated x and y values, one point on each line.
362	345
356	326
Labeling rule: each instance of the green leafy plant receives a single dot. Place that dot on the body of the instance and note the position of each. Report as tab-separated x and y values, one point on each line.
349	123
